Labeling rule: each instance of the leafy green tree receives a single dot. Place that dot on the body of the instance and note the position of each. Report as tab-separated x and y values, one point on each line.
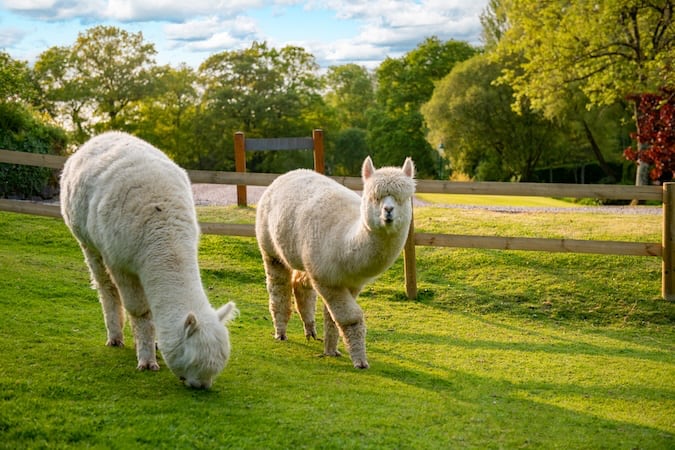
351	92
396	127
608	49
64	96
114	67
16	81
264	92
479	130
350	149
90	84
167	118
24	129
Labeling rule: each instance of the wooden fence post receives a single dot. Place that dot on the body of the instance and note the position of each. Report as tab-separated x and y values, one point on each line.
240	165
668	242
409	265
319	164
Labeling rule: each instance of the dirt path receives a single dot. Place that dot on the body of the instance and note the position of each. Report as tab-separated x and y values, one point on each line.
221	194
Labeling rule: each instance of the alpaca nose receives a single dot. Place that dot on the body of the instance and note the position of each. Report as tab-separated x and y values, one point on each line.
388	213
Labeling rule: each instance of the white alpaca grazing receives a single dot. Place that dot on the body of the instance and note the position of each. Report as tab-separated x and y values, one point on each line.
315	235
131	210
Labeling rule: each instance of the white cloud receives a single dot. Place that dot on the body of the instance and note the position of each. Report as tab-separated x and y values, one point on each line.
393	27
128	10
10	36
55	10
379	28
214	43
205	28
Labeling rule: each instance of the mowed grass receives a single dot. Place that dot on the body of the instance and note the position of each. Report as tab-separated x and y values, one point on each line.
501	350
495	200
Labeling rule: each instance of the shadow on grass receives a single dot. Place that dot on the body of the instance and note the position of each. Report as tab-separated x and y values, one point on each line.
554	344
552	415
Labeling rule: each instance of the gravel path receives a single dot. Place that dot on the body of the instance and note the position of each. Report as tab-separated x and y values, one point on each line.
219	194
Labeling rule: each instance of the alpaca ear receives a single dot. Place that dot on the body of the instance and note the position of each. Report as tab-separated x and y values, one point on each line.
409	167
191	324
227	312
367	169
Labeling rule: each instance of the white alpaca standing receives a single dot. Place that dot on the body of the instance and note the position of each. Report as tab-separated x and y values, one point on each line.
131	210
315	235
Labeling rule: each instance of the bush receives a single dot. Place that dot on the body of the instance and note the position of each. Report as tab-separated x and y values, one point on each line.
22	130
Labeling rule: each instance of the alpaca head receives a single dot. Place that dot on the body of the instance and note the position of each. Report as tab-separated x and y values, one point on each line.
387	191
201	347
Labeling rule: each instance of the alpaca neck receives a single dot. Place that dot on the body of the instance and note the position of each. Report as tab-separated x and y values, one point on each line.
378	248
173	294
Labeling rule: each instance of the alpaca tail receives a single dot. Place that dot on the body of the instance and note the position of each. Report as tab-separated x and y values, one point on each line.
227	312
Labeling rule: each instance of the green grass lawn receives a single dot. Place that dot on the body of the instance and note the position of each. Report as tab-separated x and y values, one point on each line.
495	200
501	350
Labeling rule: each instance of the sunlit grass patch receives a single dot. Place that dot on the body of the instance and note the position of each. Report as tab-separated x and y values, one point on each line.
495	200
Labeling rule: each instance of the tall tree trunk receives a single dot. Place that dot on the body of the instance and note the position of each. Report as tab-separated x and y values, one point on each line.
598	153
642	173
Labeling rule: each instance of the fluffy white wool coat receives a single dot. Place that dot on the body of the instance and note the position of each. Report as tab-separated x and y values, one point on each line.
316	235
131	210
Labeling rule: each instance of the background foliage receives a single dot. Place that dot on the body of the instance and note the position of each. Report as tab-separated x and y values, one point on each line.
551	87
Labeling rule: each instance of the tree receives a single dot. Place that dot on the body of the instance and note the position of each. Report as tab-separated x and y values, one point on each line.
92	82
479	130
65	99
350	149
114	67
396	127
264	92
16	81
656	118
608	49
22	128
167	118
351	92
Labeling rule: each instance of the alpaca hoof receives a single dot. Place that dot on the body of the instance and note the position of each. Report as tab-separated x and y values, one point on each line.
115	343
361	364
280	337
311	335
335	353
152	365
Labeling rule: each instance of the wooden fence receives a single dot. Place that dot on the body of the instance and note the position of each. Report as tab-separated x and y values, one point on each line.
666	193
243	145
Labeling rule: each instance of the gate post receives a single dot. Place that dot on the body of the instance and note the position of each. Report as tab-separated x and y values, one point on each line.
409	264
668	243
317	137
240	165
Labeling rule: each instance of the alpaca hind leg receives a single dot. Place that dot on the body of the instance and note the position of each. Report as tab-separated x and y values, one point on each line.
109	296
140	316
331	334
348	317
278	278
305	302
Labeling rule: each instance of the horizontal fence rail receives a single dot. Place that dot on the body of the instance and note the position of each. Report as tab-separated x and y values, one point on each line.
664	250
600	191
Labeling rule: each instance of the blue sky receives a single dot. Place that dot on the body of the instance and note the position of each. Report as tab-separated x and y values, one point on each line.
335	31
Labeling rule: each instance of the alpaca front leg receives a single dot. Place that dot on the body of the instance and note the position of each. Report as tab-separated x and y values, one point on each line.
348	316
354	335
109	296
305	302
278	279
140	316
144	335
330	334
